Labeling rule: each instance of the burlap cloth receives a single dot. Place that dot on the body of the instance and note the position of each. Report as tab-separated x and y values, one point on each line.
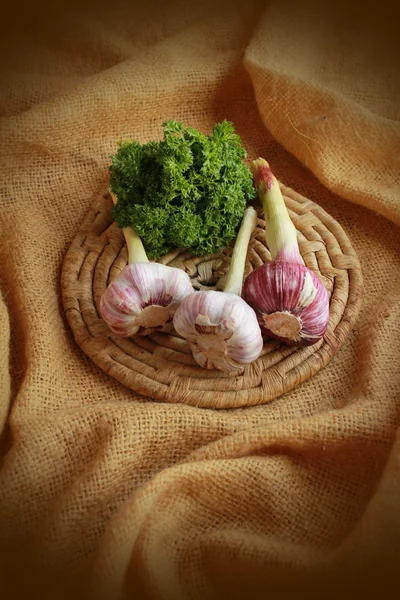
107	495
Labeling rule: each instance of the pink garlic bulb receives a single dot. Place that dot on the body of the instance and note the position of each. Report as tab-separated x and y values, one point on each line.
222	330
291	303
295	309
144	296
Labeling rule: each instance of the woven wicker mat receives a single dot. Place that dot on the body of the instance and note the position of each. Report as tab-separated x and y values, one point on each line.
161	366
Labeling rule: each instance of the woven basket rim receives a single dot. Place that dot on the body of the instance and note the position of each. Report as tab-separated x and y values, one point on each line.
161	366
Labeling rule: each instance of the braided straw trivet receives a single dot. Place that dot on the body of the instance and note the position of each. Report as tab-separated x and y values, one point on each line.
161	366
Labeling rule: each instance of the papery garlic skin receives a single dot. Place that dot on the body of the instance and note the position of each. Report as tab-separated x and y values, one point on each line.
221	328
143	298
291	303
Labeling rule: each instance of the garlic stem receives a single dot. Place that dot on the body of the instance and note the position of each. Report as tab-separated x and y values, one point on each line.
234	280
136	251
280	233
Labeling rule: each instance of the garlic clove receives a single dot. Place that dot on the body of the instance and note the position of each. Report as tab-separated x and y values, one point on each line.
143	298
291	303
221	328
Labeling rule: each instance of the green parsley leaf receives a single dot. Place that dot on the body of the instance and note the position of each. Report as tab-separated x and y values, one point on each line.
188	190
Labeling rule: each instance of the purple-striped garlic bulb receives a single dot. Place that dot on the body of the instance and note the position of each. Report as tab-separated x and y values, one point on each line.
291	303
144	297
222	330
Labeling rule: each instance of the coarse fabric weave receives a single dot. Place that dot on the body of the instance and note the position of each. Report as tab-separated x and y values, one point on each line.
106	495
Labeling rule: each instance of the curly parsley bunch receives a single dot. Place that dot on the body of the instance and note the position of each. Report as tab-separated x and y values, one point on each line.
187	191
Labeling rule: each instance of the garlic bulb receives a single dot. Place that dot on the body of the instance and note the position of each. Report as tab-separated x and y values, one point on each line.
144	296
221	328
291	303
